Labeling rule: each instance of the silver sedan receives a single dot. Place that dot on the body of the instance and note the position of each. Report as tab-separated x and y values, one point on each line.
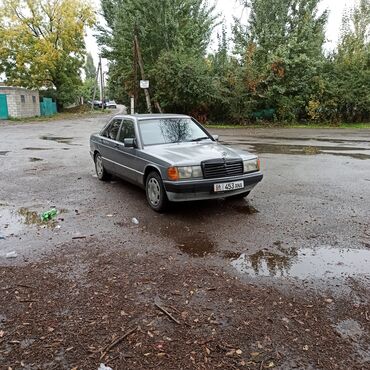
173	157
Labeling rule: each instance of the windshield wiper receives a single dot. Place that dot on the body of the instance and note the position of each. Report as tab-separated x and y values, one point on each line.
201	138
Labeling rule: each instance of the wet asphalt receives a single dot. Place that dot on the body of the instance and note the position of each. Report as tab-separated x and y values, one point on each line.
307	222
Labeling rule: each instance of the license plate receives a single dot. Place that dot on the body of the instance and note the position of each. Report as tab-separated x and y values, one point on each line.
228	186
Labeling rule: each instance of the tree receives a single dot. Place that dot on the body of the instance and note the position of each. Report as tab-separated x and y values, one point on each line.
42	44
89	67
163	27
282	57
352	65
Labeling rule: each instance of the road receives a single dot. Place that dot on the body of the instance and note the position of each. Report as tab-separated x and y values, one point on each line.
279	280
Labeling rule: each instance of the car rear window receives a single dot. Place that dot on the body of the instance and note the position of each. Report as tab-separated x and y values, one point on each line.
170	130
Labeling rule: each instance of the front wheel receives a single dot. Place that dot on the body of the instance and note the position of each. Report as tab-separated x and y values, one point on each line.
155	192
101	172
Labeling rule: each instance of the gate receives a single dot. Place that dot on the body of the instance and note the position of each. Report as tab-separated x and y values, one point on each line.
3	107
48	107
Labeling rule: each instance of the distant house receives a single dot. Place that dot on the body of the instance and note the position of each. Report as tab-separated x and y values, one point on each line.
18	102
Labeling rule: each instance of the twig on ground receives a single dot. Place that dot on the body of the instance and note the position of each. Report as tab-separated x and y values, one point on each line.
25	286
167	313
115	342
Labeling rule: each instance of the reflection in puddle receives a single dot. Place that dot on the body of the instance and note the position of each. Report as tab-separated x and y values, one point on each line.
34	159
303	150
58	139
305	263
4	152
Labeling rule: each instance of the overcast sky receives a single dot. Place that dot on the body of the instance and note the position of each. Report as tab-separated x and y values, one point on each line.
230	8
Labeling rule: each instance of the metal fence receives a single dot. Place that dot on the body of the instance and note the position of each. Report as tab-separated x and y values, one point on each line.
48	107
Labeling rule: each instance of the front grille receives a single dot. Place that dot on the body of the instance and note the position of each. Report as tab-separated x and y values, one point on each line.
222	168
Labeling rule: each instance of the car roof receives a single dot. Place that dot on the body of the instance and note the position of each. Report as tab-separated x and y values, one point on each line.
151	116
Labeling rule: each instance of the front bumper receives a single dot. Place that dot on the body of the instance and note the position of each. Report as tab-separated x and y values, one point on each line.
187	190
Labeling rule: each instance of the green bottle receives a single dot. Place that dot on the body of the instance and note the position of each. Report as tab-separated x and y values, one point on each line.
48	215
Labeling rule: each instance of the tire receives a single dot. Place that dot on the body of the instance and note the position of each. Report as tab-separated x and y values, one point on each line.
240	196
155	192
101	172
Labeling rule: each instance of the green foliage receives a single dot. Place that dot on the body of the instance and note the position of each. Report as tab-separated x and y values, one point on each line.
182	82
87	89
352	66
42	44
281	54
89	67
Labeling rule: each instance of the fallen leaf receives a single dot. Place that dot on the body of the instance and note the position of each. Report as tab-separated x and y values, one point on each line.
238	351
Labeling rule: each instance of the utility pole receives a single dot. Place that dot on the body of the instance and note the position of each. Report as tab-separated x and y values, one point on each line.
101	84
96	82
135	89
141	65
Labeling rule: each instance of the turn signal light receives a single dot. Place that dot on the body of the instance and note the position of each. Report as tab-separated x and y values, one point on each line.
173	173
258	164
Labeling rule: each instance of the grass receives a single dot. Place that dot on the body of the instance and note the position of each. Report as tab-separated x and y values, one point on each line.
292	125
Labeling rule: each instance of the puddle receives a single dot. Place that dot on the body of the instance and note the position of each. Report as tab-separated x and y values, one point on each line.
34	159
196	245
350	329
193	244
245	209
324	262
303	150
4	152
58	139
12	222
319	139
32	148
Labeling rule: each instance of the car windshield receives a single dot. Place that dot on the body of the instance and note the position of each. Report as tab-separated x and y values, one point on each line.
170	130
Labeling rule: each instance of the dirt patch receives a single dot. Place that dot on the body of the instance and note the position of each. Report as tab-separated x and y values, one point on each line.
56	314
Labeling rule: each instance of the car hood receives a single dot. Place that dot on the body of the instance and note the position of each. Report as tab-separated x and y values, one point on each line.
194	153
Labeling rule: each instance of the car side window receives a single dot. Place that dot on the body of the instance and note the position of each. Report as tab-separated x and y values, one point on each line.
127	130
112	129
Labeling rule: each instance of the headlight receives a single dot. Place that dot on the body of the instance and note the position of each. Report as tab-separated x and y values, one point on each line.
190	172
251	165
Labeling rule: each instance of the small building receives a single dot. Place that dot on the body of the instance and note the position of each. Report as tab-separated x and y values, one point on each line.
18	102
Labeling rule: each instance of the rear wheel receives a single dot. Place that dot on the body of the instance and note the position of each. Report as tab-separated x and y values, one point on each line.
101	172
155	192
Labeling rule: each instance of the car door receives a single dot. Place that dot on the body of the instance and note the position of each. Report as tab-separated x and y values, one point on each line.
108	145
127	157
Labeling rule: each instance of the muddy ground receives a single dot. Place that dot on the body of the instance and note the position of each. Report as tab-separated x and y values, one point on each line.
279	280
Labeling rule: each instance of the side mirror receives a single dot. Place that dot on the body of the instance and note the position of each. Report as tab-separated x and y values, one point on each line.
215	137
129	142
